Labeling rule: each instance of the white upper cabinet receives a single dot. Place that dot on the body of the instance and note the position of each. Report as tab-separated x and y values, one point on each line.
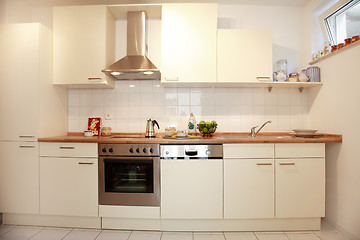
84	44
244	56
31	106
188	44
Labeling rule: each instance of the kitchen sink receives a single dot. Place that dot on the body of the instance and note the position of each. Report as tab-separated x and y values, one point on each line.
257	137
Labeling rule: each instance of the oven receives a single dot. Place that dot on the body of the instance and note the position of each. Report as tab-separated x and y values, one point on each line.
129	174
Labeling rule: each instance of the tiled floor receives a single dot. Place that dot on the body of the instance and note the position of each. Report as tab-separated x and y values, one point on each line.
47	233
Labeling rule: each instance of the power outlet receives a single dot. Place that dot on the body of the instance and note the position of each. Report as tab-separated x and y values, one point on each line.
107	116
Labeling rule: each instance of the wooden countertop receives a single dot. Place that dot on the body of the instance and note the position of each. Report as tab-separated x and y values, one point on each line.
266	137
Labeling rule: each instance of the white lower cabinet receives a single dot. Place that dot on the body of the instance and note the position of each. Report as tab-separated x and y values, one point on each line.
19	177
300	187
248	181
248	188
69	184
192	189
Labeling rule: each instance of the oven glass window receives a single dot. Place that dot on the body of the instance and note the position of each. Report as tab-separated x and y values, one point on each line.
129	176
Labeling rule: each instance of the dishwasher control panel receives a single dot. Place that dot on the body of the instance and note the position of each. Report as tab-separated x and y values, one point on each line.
210	151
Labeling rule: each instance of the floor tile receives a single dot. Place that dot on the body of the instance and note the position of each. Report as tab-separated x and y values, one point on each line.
208	236
5	229
82	234
21	233
51	234
302	236
113	235
145	235
271	236
177	236
331	235
240	236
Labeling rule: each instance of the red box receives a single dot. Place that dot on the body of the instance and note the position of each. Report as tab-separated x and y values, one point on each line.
94	124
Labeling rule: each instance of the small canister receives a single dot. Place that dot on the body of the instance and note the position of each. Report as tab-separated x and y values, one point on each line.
334	48
340	45
348	41
355	38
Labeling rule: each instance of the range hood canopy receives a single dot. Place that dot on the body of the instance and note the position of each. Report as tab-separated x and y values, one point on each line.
136	65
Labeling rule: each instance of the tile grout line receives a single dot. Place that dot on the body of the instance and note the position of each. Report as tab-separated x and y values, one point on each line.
98	234
72	229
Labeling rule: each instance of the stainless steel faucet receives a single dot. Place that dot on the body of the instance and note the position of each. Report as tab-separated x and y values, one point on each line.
253	132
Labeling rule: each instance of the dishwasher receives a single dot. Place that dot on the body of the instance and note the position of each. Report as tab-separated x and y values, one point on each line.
191	181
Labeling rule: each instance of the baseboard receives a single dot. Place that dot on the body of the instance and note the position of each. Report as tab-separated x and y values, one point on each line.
338	228
51	221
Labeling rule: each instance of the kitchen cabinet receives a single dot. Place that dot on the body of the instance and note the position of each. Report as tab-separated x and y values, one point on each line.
188	43
248	181
84	44
300	180
31	106
19	177
244	56
69	179
192	189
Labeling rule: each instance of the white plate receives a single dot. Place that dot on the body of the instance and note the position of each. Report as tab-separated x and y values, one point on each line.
305	131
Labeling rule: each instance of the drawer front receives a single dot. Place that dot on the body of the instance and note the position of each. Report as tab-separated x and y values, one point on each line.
251	150
299	150
66	149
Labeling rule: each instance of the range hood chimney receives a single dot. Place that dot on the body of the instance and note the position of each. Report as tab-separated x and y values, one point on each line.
136	65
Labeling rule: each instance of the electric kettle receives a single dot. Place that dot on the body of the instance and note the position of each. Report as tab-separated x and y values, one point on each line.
150	130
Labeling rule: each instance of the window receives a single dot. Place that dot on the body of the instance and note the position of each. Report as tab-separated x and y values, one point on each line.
344	22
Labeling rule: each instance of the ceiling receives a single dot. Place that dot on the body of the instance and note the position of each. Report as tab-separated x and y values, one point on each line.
50	3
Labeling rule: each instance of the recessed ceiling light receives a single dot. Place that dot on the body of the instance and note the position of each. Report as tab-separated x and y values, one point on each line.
148	73
115	73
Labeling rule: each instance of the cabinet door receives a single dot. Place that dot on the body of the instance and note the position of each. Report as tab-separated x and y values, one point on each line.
248	188
191	189
244	55
83	44
19	177
19	90
300	187
188	45
69	186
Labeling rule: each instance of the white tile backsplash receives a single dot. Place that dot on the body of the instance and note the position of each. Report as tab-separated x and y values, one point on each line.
131	103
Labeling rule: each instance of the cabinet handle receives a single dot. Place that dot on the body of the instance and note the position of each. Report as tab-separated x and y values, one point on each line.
67	147
95	79
262	78
24	146
263	164
288	163
86	163
26	136
172	79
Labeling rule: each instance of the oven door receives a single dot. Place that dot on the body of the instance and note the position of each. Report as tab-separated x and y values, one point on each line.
130	181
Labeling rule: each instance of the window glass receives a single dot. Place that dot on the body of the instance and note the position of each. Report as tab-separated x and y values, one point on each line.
344	22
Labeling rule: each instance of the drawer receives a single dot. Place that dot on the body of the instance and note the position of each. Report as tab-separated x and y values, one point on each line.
66	149
300	150
251	150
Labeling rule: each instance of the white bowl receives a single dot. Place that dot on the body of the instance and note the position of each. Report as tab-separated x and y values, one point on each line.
305	131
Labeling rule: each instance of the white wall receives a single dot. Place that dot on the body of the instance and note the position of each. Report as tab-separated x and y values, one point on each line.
335	109
2	11
16	11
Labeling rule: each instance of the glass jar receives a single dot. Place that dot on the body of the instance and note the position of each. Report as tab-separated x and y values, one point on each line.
282	66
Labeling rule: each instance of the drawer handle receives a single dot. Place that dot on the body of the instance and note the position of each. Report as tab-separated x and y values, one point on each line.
23	146
86	163
26	136
287	164
67	147
94	79
264	164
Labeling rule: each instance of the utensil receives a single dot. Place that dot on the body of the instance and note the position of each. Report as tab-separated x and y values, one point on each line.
150	130
305	132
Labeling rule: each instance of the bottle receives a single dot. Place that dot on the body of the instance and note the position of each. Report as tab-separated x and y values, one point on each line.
192	125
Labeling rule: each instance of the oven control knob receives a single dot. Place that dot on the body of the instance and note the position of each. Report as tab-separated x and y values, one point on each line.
207	152
138	150
152	150
111	150
103	150
131	150
145	150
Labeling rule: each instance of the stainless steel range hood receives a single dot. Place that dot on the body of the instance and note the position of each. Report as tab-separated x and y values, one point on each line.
136	65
